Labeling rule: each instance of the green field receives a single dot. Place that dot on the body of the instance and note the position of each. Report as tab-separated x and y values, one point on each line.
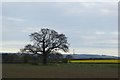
70	70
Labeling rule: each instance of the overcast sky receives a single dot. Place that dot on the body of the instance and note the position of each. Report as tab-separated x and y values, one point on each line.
91	27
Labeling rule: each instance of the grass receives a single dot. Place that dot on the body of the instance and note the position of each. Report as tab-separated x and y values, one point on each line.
70	70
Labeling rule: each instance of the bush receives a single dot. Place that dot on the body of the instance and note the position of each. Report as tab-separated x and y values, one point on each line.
64	60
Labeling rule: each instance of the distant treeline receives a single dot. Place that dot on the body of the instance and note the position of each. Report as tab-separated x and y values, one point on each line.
37	58
98	59
31	58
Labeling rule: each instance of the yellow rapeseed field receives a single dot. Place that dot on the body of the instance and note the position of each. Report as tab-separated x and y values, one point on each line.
94	61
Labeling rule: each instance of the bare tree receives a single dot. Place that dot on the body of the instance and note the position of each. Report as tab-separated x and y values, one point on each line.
46	41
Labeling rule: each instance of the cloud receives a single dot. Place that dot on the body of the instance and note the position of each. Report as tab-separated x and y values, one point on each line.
86	8
29	30
60	0
72	11
97	51
14	43
114	33
15	19
0	27
12	46
89	5
106	12
100	33
99	40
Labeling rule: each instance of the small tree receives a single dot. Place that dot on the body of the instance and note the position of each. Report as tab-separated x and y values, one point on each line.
69	57
46	41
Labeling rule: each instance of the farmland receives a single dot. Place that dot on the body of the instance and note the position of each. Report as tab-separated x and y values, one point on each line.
95	61
64	70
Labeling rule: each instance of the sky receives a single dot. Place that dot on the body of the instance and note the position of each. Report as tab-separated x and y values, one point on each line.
91	27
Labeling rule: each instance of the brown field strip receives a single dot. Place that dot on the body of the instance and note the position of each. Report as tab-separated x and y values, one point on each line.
60	71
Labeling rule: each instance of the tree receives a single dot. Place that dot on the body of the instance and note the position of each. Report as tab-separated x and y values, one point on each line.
45	41
69	57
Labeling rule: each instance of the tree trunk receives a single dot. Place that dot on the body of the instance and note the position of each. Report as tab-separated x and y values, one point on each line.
44	53
44	58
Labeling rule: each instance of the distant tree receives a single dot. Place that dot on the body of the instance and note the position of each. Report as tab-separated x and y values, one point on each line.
45	41
56	57
69	57
11	58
